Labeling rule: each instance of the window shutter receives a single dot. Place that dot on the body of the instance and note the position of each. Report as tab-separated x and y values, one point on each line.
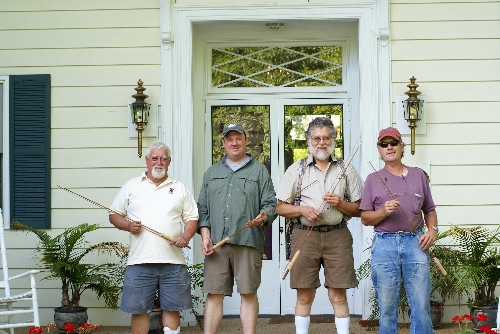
29	149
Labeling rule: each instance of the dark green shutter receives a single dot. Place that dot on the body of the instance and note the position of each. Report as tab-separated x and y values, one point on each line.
29	153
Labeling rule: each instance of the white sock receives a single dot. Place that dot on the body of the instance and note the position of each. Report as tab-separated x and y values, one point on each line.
302	324
167	330
342	325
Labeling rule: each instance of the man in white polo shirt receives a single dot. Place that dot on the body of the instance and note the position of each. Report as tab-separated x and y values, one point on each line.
162	204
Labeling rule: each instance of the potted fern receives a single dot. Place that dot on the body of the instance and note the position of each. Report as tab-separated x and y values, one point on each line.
63	258
477	268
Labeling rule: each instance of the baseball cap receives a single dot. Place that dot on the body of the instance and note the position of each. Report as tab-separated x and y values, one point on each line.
233	127
389	132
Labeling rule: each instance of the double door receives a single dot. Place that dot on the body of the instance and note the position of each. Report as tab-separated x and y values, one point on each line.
275	128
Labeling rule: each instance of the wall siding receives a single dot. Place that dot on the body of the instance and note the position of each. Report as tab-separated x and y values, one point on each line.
95	52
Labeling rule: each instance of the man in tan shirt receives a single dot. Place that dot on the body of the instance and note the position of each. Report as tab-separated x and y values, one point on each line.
330	242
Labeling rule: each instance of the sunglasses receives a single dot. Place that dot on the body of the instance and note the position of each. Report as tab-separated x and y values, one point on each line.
384	144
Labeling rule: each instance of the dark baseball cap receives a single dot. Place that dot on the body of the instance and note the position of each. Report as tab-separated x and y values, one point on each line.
233	127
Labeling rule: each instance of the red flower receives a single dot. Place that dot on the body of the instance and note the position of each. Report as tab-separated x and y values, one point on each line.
468	317
485	329
482	317
456	319
35	330
68	327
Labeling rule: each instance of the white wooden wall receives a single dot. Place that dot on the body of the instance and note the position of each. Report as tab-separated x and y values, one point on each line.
95	52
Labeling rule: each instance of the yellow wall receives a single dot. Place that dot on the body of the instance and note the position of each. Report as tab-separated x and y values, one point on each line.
452	48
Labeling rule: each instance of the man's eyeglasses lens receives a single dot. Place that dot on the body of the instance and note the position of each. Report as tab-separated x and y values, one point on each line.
384	144
318	139
155	158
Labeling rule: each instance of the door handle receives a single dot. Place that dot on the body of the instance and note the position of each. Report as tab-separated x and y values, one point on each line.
281	229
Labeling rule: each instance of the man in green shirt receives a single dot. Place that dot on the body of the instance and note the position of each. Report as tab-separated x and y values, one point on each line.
236	192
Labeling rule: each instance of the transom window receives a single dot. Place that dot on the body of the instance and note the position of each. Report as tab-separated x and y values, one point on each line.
277	66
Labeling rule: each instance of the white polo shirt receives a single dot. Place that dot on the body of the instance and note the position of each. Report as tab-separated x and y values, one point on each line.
163	208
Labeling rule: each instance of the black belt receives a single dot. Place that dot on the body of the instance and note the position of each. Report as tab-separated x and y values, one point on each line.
321	228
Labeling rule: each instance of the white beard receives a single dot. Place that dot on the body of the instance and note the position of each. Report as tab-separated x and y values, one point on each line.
158	172
321	155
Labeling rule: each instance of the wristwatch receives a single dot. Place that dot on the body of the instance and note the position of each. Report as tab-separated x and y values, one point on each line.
435	228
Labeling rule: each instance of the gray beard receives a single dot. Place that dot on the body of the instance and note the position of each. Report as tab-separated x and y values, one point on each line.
321	156
157	173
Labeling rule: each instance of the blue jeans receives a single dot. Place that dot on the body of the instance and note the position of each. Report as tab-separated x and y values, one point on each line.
396	256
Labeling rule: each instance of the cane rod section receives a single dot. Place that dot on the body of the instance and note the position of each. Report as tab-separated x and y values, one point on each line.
295	257
222	242
291	263
285	273
440	266
164	236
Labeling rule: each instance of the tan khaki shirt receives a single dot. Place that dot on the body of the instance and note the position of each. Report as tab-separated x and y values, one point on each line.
349	188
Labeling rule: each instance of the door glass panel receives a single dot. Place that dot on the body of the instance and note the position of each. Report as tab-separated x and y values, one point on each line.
277	66
255	120
297	118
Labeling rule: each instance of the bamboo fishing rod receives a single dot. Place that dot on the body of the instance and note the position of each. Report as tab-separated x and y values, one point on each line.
436	260
226	239
303	240
163	235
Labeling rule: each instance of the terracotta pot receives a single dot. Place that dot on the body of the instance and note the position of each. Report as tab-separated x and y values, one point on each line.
76	316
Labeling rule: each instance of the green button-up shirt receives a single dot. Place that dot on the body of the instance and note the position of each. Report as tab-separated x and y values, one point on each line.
229	199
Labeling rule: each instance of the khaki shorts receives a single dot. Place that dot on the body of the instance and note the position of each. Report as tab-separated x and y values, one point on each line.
232	262
332	250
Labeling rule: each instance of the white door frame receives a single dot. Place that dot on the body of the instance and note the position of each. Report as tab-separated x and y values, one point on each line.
177	63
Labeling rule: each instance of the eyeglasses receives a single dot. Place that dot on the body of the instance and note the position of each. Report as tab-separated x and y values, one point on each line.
317	140
384	144
154	158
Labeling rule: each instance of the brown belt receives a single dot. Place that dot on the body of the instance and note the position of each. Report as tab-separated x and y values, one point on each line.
321	228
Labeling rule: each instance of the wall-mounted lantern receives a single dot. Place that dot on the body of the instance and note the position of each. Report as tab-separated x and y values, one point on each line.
413	107
140	113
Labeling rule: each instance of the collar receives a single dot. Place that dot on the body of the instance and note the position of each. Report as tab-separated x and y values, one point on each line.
224	158
312	161
169	180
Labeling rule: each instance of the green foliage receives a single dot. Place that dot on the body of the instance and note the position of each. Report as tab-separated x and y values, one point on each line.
197	297
445	287
478	261
62	257
196	273
277	66
297	120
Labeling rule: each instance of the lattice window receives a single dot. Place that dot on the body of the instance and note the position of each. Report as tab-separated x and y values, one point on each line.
277	66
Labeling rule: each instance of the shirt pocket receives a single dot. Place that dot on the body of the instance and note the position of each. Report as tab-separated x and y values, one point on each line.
217	185
417	202
247	186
